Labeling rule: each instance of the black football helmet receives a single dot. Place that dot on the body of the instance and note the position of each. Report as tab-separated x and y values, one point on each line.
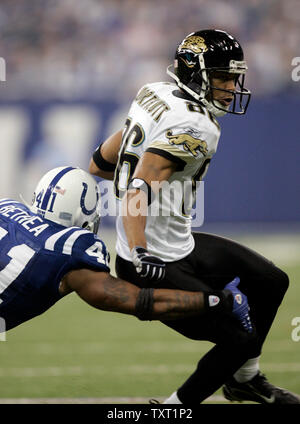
199	57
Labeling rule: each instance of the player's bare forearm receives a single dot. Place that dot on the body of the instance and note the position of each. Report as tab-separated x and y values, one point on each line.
153	169
134	210
120	296
103	291
176	304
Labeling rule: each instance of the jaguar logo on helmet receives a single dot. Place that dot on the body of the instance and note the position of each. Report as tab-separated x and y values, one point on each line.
194	43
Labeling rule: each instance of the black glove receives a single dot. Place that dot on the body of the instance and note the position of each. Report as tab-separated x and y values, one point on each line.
147	265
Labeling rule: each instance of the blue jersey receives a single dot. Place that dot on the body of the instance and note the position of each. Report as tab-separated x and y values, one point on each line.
34	256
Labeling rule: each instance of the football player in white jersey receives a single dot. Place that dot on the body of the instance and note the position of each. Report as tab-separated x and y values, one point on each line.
170	136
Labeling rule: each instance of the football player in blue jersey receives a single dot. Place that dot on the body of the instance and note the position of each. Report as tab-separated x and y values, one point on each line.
51	248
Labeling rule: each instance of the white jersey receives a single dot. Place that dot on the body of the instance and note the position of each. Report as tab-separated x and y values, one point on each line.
161	121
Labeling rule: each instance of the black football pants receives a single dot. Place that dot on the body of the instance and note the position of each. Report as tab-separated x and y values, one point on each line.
213	263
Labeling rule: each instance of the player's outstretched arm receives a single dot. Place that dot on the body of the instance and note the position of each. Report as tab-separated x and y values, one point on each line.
105	158
103	291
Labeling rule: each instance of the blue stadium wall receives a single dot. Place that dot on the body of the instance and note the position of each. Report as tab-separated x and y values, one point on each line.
254	177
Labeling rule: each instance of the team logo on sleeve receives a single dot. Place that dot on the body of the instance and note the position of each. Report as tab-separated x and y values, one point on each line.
190	140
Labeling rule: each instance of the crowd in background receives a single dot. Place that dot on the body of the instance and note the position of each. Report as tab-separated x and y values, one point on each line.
109	48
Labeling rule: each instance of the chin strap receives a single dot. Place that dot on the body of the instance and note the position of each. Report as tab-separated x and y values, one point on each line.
198	97
213	109
183	86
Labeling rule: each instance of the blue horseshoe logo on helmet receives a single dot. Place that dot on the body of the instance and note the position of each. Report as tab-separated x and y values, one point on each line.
82	199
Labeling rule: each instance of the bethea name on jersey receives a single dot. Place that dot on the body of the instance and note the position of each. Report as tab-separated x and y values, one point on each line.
151	103
32	223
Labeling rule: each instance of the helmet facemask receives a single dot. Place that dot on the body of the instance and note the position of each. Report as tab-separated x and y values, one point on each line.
240	96
201	89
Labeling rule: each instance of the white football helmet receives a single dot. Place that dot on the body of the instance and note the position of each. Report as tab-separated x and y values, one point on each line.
68	196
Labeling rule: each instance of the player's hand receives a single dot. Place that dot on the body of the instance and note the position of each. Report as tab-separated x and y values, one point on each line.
147	265
240	307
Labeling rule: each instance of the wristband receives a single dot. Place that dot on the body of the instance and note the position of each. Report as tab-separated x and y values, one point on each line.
102	163
139	184
144	304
